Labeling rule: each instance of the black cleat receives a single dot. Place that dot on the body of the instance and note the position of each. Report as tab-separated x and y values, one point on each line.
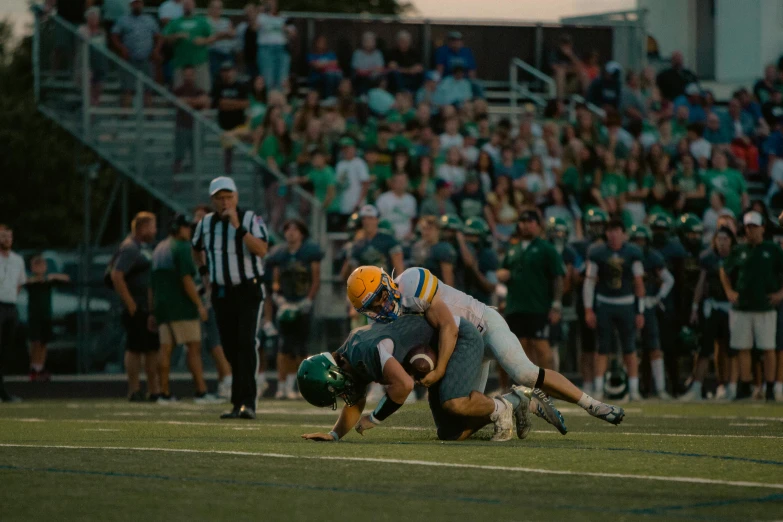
233	414
247	413
137	396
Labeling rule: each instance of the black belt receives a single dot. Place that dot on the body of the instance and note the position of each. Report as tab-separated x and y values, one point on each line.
223	290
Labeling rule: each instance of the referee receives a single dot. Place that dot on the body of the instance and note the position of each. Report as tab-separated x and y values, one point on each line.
235	241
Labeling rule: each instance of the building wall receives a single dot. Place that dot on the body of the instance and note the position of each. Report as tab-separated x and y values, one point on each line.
737	40
771	31
673	24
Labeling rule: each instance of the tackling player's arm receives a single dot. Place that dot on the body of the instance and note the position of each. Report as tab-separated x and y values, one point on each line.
440	317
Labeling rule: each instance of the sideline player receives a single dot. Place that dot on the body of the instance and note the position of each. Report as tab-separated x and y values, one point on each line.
375	353
416	291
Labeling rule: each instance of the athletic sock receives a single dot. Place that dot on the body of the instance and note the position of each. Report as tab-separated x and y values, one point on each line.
500	407
633	385
778	388
588	403
659	379
732	387
598	385
290	380
514	398
770	391
555	358
696	388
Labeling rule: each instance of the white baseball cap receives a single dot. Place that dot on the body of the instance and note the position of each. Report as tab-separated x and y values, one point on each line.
692	89
753	218
613	67
368	211
222	183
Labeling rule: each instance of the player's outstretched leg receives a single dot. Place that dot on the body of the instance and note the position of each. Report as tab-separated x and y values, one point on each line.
511	356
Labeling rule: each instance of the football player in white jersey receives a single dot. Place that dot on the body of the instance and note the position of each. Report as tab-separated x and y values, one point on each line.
416	291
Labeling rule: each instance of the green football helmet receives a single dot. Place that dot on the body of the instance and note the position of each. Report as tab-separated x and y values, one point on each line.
321	382
690	223
640	232
660	221
385	227
596	215
615	381
557	227
689	339
451	222
477	227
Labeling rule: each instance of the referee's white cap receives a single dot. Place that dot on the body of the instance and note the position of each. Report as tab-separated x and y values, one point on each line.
222	183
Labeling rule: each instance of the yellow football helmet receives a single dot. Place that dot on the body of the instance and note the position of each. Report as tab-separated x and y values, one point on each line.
373	293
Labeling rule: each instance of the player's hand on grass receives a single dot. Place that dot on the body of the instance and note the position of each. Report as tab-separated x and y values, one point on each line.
590	319
318	437
639	321
431	378
364	424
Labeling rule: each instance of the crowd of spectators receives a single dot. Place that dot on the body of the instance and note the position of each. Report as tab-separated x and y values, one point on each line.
415	142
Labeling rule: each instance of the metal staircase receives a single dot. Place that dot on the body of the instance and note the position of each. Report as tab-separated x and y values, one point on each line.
138	141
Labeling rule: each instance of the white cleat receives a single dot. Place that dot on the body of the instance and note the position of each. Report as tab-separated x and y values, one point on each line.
293	395
280	395
691	396
209	398
720	393
662	395
522	412
607	412
634	396
504	424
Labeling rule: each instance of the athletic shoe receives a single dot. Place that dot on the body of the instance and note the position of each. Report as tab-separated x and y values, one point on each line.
691	396
208	398
758	393
607	412
730	395
522	412
224	387
504	424
720	393
280	395
544	407
247	413
293	395
137	396
166	399
233	414
634	396
154	397
662	395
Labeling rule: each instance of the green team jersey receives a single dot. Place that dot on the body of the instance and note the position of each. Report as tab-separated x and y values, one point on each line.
711	262
295	268
171	261
431	256
376	251
615	273
533	270
755	273
730	183
613	185
364	355
322	179
186	52
270	147
687	183
648	182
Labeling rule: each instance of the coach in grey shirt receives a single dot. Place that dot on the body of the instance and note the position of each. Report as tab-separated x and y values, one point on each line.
12	277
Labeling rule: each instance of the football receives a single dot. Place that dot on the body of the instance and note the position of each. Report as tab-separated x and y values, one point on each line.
420	361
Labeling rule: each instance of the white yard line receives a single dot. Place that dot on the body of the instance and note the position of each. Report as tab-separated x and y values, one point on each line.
399	428
422	463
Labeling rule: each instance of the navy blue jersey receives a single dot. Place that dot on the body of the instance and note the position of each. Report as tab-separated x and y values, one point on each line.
295	269
376	251
615	275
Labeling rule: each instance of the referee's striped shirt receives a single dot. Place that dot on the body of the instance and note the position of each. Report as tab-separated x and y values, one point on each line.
230	262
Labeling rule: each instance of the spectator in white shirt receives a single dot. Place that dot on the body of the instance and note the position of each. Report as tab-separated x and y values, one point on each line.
222	50
367	64
453	171
353	179
12	277
700	148
170	10
398	207
711	215
451	136
274	61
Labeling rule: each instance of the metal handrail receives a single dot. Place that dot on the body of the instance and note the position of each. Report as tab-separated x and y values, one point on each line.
595	109
516	88
608	17
150	84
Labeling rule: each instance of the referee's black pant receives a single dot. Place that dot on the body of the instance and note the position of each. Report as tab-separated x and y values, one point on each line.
8	323
237	310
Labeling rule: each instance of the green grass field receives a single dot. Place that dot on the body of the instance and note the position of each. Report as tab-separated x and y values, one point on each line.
112	460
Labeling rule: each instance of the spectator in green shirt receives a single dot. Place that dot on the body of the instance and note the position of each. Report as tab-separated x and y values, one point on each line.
613	183
177	307
190	36
751	277
728	181
690	186
323	179
533	271
276	150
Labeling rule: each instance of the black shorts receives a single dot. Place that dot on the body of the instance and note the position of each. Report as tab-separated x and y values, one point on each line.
295	336
556	333
139	339
716	327
651	339
39	330
529	325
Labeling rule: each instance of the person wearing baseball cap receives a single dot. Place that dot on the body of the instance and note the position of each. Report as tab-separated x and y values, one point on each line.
372	248
235	242
534	300
751	278
454	51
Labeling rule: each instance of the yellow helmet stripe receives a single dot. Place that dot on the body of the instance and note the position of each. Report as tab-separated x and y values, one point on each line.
433	289
424	280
